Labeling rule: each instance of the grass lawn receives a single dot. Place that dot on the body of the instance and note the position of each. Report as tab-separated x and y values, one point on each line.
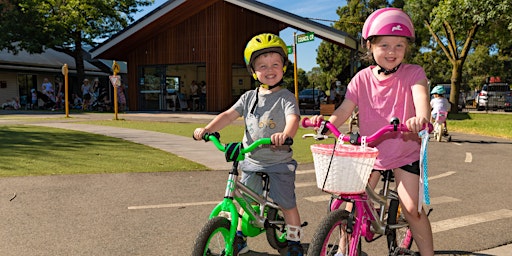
33	150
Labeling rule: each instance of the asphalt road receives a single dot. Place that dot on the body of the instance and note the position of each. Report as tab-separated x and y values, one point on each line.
160	213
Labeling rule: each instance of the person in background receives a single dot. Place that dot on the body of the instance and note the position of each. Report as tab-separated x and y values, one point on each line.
439	103
269	111
34	98
86	94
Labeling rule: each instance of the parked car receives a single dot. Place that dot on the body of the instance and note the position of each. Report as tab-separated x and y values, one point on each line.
492	96
507	107
309	98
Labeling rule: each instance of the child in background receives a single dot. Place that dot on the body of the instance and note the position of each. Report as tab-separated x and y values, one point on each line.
386	90
439	103
269	111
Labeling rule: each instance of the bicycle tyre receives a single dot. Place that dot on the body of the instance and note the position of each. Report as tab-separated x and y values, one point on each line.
275	237
397	238
326	239
208	242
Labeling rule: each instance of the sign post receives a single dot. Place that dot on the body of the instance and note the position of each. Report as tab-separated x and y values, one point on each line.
302	38
295	80
115	83
66	97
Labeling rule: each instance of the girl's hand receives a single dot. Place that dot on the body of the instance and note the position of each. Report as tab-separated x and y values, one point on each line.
316	119
416	124
278	138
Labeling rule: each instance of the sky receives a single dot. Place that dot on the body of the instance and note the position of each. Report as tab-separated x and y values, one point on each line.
317	9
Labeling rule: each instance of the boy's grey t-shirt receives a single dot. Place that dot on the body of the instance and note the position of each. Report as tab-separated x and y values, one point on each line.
269	117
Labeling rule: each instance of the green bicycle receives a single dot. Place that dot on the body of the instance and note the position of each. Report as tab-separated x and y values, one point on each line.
261	215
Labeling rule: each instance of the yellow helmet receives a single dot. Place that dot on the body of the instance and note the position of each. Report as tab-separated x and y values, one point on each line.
264	43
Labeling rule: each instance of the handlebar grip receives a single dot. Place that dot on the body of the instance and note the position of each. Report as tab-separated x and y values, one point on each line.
306	122
206	136
288	141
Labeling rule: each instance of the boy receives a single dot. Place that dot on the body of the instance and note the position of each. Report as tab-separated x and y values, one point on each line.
268	111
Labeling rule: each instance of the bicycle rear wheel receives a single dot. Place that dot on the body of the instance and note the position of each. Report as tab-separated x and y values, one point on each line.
212	238
399	240
331	236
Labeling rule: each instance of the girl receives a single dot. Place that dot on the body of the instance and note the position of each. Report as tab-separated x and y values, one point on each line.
392	89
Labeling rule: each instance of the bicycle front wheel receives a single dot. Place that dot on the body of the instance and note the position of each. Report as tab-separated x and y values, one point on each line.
212	238
275	237
331	236
399	240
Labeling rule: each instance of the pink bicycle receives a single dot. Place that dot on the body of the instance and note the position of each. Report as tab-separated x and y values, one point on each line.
338	168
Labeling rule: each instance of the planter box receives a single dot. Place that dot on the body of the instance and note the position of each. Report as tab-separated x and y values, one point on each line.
326	109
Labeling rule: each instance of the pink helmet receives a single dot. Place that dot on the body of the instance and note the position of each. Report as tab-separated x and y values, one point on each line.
388	22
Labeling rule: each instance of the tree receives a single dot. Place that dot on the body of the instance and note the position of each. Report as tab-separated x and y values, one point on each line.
454	25
335	60
65	25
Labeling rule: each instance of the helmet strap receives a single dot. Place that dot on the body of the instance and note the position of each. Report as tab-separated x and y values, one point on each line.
268	87
387	71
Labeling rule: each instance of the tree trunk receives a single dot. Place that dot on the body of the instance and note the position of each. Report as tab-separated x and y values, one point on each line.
79	59
455	84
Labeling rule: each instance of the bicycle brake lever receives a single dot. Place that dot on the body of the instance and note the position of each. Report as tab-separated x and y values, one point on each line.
315	136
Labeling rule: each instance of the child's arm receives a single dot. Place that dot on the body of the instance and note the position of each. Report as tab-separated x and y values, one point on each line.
219	122
421	104
342	113
290	129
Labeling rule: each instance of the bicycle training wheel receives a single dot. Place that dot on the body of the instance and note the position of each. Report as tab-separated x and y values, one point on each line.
399	240
212	238
438	133
276	237
331	236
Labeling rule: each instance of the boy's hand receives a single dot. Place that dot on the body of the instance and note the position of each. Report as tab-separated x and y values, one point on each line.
278	138
199	133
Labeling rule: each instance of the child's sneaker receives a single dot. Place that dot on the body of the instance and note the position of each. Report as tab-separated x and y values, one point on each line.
295	249
240	245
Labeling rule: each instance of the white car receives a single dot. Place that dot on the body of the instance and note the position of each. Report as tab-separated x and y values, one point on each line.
492	96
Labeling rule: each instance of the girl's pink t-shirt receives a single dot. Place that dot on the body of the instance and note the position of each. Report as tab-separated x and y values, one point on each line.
379	102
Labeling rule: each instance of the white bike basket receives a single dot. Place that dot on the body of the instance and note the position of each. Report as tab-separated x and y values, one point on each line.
349	170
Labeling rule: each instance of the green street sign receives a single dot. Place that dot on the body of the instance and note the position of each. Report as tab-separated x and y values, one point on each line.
290	49
308	37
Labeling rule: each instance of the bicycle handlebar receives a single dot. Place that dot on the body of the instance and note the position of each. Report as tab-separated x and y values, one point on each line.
355	138
236	151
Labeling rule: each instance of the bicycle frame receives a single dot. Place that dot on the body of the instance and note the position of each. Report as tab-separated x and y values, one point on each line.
364	220
239	192
364	211
260	214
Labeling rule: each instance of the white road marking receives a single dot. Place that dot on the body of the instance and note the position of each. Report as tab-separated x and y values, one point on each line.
177	205
456	143
444	225
443	200
469	157
315	199
433	200
305	184
305	172
442	175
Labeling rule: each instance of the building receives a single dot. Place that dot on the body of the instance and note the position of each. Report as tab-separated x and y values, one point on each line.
19	73
189	40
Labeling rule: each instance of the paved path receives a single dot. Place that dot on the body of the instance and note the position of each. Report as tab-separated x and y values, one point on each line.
179	145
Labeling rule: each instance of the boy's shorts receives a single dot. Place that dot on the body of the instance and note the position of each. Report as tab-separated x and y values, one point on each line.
282	181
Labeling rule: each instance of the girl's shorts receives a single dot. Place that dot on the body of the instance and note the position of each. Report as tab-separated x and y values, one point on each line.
413	168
